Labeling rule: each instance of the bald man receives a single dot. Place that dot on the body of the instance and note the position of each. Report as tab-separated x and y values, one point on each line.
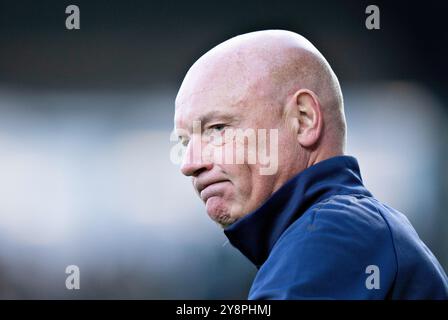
294	204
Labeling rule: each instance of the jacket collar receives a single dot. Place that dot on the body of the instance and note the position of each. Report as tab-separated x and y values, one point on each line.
256	233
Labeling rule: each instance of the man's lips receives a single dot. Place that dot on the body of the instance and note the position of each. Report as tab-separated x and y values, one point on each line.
211	190
206	189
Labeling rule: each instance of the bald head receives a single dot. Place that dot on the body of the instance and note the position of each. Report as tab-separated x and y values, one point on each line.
270	79
270	65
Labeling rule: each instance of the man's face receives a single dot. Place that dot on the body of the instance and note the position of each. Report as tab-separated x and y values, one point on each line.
207	113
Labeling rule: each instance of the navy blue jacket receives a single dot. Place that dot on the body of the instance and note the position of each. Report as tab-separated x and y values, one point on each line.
323	235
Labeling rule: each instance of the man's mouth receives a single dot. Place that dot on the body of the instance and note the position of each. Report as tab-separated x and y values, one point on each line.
211	189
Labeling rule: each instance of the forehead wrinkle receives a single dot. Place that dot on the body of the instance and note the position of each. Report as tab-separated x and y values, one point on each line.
182	97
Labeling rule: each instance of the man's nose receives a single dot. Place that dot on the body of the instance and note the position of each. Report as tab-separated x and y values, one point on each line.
194	163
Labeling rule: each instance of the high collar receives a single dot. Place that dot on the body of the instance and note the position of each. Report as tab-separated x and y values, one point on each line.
256	233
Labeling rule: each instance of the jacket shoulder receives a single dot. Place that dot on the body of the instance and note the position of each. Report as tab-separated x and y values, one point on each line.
329	252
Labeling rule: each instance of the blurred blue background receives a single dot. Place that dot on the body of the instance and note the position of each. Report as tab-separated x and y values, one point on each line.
85	122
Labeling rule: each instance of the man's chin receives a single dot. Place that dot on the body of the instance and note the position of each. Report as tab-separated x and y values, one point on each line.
219	211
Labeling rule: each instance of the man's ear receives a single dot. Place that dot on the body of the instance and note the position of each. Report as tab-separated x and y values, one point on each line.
309	117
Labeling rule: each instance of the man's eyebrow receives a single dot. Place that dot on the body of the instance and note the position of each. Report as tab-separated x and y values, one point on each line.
209	117
215	115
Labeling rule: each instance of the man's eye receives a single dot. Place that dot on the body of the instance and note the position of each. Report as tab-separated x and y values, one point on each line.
218	127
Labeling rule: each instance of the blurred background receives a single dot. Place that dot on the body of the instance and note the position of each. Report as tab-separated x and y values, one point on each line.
85	122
